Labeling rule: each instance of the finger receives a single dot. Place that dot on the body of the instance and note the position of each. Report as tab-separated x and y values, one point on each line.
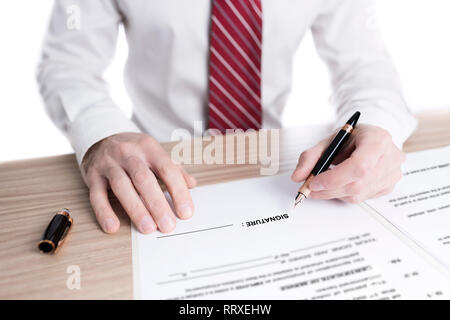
357	167
148	187
308	160
329	194
173	178
124	190
98	196
190	180
381	177
176	185
360	191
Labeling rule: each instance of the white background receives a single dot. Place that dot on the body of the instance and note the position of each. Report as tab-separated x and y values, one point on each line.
416	32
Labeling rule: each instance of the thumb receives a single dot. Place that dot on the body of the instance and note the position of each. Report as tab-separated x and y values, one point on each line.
308	160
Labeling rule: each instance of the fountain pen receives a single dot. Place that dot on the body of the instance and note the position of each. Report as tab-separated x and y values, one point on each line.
328	156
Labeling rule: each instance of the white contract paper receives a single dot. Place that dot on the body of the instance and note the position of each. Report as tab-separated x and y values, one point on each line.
420	203
246	242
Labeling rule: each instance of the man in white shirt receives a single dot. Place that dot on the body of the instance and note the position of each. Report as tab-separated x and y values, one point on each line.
227	63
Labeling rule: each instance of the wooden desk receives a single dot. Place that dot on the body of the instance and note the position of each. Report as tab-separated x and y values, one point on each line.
31	191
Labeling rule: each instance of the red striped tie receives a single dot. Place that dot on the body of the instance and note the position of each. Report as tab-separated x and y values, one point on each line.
235	65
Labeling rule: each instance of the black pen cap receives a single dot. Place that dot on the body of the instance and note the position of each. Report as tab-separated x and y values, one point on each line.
56	231
354	119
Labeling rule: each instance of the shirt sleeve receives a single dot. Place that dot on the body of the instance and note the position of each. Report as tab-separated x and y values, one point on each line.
79	45
363	75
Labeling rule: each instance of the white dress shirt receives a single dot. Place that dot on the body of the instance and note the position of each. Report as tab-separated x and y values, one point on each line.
166	73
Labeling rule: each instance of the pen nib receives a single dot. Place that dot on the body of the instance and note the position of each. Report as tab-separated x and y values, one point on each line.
299	199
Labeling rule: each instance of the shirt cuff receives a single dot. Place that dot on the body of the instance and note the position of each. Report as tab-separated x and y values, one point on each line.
400	124
95	124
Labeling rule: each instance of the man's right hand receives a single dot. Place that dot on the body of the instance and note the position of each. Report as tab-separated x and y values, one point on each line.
128	164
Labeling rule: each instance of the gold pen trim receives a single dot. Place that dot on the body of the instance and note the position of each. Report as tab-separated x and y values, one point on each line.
304	191
43	248
348	128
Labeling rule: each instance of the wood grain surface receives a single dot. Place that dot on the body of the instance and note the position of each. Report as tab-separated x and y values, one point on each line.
32	191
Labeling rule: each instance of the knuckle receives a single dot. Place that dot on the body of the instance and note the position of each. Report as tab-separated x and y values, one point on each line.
140	177
123	150
91	174
110	170
100	210
156	205
98	161
105	162
93	199
146	140
133	162
167	170
136	212
306	154
117	182
138	171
